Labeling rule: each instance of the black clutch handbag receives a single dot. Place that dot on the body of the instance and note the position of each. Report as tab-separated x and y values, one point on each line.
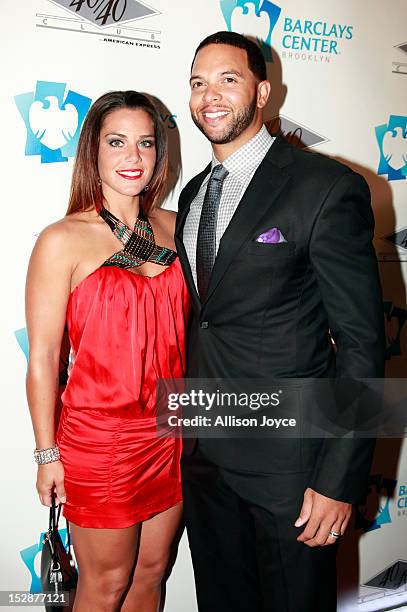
58	570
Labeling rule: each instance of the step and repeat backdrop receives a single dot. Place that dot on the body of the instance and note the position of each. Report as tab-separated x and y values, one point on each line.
339	85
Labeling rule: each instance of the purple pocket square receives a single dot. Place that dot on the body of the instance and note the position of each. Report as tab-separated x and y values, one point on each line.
272	236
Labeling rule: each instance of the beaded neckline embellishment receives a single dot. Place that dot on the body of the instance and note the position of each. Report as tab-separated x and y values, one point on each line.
139	244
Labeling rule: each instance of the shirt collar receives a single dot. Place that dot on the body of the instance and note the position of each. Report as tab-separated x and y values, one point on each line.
243	162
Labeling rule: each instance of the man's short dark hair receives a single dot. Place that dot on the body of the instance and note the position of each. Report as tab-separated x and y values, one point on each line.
255	59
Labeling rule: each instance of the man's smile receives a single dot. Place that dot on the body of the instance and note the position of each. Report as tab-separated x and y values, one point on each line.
214	115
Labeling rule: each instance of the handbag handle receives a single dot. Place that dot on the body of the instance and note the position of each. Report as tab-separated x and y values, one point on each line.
54	515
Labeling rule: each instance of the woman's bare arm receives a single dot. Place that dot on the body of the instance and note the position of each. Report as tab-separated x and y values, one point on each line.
47	294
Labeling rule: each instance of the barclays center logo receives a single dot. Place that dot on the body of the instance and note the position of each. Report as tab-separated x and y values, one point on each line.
374	513
256	17
392	141
53	119
302	39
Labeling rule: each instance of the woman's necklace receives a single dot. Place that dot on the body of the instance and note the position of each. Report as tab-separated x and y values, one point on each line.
139	244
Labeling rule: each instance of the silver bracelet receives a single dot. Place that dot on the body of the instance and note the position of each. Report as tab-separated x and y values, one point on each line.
46	455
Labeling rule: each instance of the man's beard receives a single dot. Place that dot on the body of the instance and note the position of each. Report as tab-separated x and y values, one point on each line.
242	121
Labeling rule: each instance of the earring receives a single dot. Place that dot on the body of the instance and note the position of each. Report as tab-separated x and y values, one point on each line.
147	187
99	181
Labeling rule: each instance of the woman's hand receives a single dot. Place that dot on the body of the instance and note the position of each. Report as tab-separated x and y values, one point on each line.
50	479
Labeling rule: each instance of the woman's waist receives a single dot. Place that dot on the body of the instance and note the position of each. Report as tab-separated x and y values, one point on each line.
125	406
100	424
135	390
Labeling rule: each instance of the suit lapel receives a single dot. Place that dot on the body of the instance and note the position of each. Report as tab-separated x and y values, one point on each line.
264	188
185	204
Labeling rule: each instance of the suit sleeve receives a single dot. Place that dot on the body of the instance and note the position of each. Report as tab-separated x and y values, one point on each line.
345	264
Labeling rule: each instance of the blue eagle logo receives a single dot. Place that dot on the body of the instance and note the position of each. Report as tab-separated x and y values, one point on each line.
252	17
392	141
53	120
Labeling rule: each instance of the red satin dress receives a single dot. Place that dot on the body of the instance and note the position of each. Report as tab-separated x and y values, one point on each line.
126	331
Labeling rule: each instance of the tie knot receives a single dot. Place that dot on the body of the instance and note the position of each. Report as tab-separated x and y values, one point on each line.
219	173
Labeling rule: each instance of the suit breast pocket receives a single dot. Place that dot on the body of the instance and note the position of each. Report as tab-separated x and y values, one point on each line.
271	251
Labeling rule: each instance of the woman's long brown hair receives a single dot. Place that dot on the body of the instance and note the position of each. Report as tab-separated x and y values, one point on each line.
86	193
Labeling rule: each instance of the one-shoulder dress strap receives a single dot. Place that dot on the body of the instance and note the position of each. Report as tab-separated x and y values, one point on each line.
139	244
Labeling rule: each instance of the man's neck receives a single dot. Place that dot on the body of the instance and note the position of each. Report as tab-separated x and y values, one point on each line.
223	151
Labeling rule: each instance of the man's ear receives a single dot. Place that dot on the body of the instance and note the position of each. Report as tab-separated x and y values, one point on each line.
263	93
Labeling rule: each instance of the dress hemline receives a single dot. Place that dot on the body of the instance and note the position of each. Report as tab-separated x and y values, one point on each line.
95	521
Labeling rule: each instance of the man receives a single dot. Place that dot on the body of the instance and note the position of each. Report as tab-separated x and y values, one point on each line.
275	243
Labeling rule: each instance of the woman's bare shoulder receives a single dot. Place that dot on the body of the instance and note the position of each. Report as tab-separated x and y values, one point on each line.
67	233
69	223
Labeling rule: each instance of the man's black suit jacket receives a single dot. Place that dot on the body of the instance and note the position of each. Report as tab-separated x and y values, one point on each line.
270	309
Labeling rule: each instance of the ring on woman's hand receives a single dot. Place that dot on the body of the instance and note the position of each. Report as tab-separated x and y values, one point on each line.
334	534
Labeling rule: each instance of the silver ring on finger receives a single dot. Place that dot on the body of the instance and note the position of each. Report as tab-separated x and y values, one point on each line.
334	534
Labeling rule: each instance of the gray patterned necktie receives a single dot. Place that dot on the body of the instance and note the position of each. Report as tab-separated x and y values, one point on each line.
206	240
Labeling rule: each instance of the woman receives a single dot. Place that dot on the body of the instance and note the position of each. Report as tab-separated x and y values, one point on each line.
125	306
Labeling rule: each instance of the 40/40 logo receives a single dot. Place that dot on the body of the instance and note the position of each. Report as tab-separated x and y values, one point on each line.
104	13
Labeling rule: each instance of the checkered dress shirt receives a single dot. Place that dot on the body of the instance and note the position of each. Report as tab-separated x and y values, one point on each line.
241	165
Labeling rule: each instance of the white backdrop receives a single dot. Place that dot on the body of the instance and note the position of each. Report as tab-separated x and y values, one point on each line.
350	103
